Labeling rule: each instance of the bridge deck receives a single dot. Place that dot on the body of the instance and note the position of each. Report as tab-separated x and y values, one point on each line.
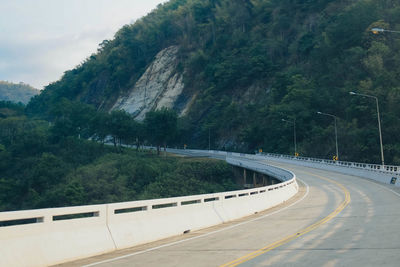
336	219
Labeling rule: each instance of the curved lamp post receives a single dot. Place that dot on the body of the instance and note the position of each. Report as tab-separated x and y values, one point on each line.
333	116
378	30
379	122
294	133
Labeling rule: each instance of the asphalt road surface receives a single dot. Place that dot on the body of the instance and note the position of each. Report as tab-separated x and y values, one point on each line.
334	220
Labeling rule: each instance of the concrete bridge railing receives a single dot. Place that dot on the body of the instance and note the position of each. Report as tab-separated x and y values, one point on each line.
387	174
49	236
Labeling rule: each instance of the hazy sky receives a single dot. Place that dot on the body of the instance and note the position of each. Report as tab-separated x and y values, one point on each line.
40	39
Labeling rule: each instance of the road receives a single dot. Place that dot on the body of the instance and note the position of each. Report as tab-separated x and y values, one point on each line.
335	220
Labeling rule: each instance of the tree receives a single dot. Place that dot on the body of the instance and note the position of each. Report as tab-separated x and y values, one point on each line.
99	126
137	133
161	127
72	118
120	126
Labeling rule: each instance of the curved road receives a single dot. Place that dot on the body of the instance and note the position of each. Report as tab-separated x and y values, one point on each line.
335	220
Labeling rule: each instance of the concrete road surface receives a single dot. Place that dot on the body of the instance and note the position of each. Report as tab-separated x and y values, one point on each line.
335	220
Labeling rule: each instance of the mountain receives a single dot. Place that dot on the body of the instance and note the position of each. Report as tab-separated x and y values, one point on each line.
16	92
233	69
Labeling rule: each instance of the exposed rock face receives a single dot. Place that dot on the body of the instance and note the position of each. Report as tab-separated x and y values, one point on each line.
160	86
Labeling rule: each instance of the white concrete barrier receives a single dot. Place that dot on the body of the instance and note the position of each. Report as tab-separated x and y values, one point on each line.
139	222
50	236
385	174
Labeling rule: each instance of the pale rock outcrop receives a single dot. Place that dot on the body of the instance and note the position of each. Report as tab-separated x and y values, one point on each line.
160	86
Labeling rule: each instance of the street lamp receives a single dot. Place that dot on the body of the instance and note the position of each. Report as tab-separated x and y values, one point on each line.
333	116
294	134
378	30
209	139
379	122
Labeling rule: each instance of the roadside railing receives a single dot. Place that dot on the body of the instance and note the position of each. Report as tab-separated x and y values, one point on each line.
387	174
56	235
365	166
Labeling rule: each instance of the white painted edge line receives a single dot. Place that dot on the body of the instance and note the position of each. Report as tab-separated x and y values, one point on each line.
204	235
384	187
365	179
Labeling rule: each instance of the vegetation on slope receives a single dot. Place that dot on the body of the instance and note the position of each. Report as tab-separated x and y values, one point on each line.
252	63
16	92
41	166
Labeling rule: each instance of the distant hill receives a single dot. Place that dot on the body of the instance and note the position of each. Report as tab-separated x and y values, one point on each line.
20	92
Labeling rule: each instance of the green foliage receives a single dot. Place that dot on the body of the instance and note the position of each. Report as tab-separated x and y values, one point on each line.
197	176
51	180
17	93
251	63
124	129
161	126
8	109
76	119
72	119
43	165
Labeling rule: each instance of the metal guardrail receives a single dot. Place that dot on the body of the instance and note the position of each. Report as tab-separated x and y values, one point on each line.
365	166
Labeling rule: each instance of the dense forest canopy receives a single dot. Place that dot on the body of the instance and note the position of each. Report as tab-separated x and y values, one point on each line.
46	165
251	64
16	92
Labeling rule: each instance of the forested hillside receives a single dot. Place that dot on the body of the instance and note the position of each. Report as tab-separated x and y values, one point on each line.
42	167
16	92
251	63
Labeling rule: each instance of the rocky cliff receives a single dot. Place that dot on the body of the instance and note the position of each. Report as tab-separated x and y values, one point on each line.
160	86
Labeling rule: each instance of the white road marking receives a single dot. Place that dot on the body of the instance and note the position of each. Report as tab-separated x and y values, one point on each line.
203	235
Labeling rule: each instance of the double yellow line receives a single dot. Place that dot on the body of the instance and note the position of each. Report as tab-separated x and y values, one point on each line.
304	231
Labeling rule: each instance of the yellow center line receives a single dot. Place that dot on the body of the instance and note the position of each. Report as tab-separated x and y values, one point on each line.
291	237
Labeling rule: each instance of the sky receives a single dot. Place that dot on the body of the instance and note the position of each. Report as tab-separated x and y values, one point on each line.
41	39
